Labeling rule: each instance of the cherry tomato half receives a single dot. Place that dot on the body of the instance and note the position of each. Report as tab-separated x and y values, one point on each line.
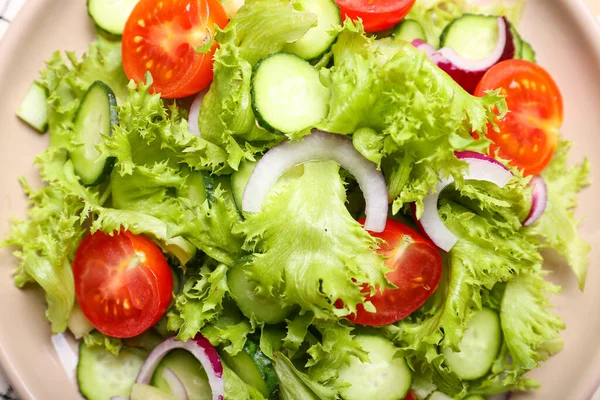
162	36
410	396
123	282
415	268
376	15
528	134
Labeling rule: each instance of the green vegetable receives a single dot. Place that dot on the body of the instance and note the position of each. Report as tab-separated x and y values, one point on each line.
415	110
321	254
563	184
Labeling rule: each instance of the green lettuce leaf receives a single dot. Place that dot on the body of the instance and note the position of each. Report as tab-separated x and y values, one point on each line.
295	384
97	339
417	115
531	330
67	81
237	389
321	254
557	226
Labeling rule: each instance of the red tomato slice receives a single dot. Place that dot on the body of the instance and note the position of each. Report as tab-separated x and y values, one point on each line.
376	15
123	283
528	134
410	396
161	36
416	269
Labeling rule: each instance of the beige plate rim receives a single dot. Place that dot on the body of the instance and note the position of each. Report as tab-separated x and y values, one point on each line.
31	12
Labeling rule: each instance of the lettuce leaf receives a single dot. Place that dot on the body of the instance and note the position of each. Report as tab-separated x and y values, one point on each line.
563	184
226	117
531	330
417	115
295	384
321	254
237	389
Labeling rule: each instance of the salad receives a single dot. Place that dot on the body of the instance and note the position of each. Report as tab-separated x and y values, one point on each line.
301	199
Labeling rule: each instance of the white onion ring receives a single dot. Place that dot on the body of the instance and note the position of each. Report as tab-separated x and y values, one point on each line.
320	146
200	348
481	168
539	200
194	113
177	387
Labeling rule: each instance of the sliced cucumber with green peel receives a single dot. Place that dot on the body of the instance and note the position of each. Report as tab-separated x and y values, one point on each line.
102	375
471	36
409	30
318	40
189	371
267	309
254	368
96	116
146	392
384	377
239	179
34	107
287	94
111	15
479	346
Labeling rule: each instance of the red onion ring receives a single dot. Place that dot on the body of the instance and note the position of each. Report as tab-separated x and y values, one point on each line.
539	200
466	72
177	387
481	168
200	348
194	113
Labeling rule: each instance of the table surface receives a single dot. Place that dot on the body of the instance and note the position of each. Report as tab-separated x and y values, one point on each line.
9	10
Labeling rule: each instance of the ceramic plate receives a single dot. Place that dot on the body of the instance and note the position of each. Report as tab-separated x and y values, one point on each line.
567	42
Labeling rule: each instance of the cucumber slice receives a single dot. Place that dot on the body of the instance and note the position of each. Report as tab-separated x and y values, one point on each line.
318	40
479	346
287	94
34	107
188	369
384	377
239	179
111	15
475	397
145	392
254	368
267	309
102	375
95	117
471	36
409	30
528	52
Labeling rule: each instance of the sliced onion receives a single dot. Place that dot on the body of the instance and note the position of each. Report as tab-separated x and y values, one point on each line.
539	200
466	72
177	387
118	398
320	146
480	168
200	348
194	113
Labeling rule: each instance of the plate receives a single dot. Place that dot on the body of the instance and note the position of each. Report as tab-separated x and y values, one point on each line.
567	42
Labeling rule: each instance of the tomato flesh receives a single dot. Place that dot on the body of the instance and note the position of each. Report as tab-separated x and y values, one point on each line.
415	268
410	396
528	134
376	15
162	37
123	282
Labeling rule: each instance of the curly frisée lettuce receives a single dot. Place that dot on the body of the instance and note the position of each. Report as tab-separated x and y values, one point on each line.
321	255
417	114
